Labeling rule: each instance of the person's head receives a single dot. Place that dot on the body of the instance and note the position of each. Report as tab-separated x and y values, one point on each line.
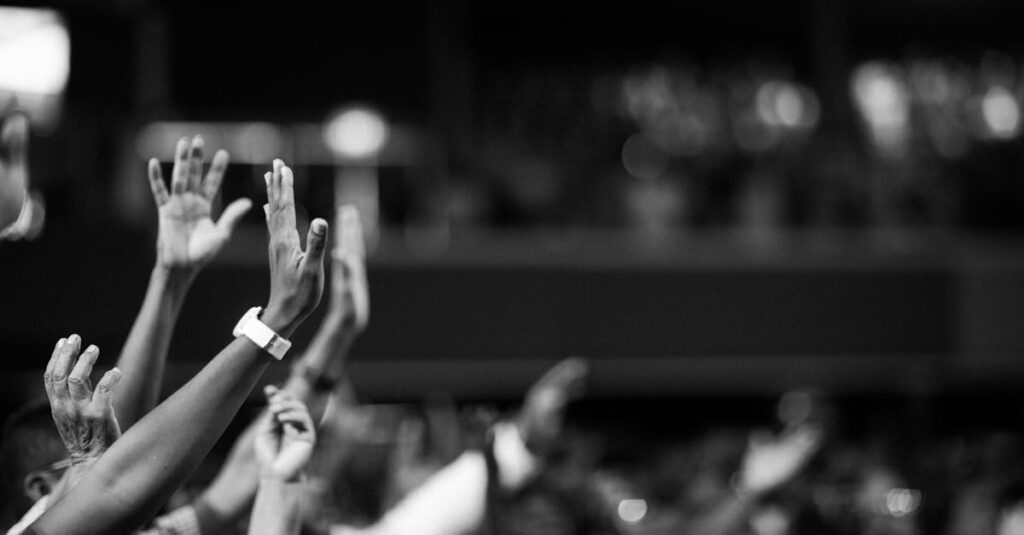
32	458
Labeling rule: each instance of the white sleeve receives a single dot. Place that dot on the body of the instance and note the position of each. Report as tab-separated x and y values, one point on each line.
453	501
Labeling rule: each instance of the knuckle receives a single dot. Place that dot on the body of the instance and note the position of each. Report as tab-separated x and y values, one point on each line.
75	380
57	377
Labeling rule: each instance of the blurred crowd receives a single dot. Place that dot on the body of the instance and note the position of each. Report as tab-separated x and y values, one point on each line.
106	457
927	142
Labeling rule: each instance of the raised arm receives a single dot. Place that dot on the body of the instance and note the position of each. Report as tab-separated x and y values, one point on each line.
322	365
283	446
141	470
188	239
312	377
769	463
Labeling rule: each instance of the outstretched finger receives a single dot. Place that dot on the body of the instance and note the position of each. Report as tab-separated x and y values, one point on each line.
51	365
232	215
275	183
156	182
211	186
103	396
179	173
286	196
61	369
79	385
195	164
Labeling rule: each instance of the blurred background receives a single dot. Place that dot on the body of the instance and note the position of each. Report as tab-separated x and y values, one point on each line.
715	202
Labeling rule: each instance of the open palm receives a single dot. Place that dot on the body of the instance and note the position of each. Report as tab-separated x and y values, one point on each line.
188	237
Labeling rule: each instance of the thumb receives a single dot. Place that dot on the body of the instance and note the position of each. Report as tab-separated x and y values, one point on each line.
316	241
232	215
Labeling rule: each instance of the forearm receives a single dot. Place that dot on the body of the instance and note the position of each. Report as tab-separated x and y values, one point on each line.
232	492
278	508
140	471
145	351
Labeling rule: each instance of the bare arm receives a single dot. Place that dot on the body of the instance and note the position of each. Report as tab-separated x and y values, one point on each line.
188	239
769	463
140	471
283	447
229	496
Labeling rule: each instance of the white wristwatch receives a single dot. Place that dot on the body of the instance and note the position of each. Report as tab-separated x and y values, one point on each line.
252	328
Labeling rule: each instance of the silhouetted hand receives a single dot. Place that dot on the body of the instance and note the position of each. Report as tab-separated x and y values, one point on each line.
285	437
188	237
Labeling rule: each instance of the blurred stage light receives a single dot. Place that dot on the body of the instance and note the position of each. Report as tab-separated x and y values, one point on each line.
35	51
1001	113
902	502
632	510
883	100
356	133
787	105
259	142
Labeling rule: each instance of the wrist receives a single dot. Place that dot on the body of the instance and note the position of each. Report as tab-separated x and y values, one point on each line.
280	322
85	459
271	477
173	278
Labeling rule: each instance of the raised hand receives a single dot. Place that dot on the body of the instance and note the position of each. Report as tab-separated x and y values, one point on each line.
285	437
540	418
84	416
773	461
350	293
188	237
296	276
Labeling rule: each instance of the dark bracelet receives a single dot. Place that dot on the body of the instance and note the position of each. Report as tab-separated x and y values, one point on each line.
317	379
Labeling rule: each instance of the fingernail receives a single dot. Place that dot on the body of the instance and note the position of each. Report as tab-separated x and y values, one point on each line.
61	342
73	339
92	349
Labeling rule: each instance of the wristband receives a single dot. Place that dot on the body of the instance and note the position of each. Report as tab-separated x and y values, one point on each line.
255	330
316	379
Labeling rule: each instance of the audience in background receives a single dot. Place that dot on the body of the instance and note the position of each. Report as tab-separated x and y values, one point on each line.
107	458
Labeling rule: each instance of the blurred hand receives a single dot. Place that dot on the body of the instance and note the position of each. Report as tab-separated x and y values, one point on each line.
188	237
296	276
13	168
771	462
540	418
285	437
350	294
84	416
